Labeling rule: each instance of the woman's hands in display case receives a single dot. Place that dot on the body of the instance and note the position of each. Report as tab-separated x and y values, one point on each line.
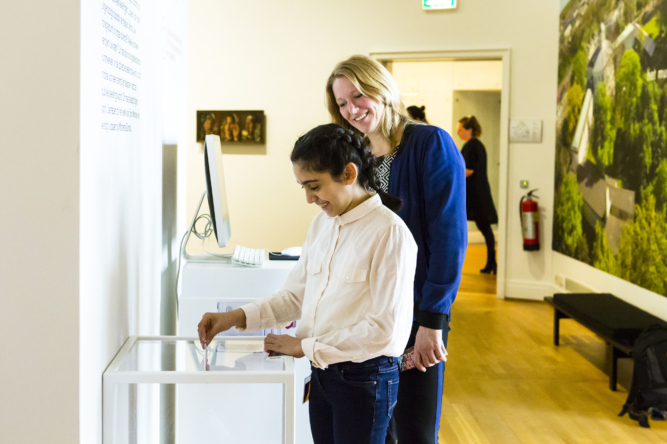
213	323
283	344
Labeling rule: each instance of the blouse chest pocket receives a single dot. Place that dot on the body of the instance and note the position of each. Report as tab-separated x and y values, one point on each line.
314	266
353	275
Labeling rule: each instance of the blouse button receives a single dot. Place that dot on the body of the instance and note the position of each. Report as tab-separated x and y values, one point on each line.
347	277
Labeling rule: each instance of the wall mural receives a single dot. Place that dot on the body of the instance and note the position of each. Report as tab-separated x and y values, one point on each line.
611	145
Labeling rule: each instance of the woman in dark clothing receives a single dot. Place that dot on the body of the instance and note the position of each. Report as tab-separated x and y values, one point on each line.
479	203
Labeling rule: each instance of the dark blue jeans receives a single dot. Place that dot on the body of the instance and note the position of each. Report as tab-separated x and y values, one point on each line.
352	402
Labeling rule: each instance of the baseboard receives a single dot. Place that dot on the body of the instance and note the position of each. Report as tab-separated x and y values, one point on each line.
529	290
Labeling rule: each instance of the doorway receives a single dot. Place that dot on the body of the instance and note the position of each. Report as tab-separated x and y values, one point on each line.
453	85
485	106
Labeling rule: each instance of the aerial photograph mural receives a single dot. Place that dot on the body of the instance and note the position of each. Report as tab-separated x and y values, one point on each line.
611	146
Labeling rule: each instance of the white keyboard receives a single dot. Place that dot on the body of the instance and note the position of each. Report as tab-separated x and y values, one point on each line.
248	256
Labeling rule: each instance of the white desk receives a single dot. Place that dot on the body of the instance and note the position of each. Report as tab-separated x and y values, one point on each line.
206	413
205	285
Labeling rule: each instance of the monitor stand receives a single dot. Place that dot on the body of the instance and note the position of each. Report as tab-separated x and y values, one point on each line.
199	257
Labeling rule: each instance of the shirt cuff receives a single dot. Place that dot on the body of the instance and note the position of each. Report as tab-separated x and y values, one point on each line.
435	321
252	317
308	347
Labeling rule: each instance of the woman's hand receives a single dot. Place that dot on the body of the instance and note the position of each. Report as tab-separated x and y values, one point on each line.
213	323
285	344
429	349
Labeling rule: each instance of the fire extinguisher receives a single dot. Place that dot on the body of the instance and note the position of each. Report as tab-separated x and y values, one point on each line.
530	221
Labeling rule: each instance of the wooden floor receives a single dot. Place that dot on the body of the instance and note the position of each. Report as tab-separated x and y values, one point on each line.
507	383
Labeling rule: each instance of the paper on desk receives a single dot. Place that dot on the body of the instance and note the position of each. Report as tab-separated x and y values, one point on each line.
253	345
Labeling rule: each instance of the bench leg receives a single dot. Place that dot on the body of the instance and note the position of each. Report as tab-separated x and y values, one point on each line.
557	316
613	377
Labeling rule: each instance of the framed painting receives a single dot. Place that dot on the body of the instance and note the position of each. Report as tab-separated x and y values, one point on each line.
233	127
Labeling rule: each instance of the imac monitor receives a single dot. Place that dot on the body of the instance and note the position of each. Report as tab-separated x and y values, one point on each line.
215	189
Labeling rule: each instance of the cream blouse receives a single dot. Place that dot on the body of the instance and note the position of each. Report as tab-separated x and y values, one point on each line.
352	288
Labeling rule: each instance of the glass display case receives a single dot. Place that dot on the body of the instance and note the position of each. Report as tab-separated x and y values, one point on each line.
169	390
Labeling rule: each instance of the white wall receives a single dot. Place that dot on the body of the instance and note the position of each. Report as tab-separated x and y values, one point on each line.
81	211
276	56
432	84
428	84
39	222
124	248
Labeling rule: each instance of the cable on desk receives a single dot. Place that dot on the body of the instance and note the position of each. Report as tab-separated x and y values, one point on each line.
208	231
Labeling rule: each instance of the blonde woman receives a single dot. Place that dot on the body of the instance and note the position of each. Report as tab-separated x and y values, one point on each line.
421	165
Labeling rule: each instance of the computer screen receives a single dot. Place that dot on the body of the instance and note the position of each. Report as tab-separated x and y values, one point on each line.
215	189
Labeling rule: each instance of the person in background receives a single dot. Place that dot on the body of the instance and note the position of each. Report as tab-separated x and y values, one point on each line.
421	165
479	202
351	288
417	113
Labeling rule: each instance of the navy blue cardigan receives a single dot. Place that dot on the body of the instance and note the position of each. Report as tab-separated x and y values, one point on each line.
428	173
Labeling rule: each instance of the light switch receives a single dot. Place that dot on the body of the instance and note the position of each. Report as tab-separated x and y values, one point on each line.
523	184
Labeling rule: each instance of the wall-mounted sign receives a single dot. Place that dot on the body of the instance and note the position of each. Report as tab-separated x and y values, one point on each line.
526	131
439	4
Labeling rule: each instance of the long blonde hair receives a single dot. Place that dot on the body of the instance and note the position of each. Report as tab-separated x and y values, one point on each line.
374	81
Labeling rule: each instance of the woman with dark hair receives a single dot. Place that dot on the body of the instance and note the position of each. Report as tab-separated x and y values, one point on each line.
352	290
417	113
479	202
421	165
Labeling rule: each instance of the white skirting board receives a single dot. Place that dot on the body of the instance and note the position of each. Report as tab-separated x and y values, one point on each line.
515	289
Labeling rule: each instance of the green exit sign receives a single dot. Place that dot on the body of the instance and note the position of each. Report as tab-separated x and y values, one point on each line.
439	4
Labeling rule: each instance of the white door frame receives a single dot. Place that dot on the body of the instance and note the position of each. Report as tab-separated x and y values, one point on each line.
469	55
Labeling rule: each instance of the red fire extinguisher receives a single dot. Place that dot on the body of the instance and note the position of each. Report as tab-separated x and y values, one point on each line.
530	221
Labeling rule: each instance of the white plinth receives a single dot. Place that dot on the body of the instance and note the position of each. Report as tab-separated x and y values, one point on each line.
240	397
206	285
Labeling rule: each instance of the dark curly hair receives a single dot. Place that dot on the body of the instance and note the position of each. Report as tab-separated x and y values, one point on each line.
331	147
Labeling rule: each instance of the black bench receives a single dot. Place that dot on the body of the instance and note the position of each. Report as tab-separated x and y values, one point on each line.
611	318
